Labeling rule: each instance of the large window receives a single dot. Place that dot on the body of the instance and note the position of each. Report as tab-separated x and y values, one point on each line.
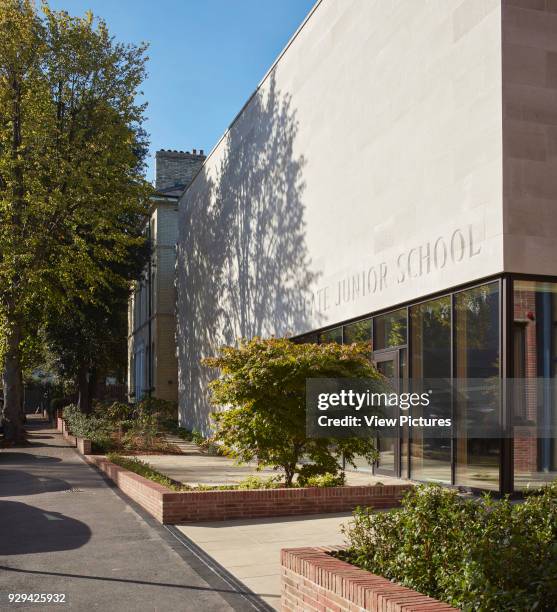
477	357
390	329
332	335
534	361
457	337
430	325
358	332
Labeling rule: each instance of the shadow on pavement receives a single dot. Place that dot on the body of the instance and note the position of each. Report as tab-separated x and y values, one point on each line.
189	587
16	483
27	529
19	458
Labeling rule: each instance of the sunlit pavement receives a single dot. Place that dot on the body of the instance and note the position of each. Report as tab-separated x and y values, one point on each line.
64	530
250	548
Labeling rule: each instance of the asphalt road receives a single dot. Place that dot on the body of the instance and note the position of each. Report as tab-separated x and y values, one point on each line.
65	530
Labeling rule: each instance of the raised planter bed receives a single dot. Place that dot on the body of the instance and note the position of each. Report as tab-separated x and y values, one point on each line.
83	445
71	439
192	506
313	580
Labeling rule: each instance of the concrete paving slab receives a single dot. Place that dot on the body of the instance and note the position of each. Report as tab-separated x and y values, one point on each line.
250	548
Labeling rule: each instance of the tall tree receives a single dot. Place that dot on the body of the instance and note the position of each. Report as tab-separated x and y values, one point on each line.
87	341
72	151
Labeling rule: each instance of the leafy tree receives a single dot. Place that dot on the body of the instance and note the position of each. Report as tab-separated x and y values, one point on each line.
262	389
87	340
72	152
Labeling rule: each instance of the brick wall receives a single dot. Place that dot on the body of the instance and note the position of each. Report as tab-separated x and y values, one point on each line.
223	505
314	581
525	442
172	507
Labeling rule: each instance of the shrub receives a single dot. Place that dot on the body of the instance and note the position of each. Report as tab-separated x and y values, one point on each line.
115	412
262	389
118	424
255	482
93	427
322	480
473	554
142	430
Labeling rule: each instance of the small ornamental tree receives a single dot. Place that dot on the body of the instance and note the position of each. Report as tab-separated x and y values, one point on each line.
262	390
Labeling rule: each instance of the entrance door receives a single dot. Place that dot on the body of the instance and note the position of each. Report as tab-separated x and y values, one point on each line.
388	364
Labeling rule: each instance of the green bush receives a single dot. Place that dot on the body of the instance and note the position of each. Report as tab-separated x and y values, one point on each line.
93	427
473	554
119	424
322	480
256	482
115	412
262	391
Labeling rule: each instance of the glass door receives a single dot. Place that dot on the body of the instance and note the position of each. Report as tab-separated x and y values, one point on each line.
388	364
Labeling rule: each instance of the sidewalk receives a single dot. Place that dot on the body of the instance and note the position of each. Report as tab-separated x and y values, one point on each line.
64	530
250	549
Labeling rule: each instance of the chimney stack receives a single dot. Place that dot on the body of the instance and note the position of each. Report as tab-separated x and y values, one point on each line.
176	168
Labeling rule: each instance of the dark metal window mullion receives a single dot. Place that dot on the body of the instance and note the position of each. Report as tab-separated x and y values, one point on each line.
409	370
506	310
453	378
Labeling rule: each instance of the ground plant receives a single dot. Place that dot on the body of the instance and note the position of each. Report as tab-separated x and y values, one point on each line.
473	554
261	393
119	426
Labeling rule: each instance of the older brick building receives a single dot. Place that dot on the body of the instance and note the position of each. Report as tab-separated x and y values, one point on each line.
152	366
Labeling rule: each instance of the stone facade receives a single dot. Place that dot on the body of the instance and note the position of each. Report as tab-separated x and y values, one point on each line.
529	66
429	163
365	172
151	312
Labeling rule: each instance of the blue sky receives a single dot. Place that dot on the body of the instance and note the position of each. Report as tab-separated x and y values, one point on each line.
206	58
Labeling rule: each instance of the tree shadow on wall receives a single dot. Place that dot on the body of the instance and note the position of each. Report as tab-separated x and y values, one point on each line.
243	268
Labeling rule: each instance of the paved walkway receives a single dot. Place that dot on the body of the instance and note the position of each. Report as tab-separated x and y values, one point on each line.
64	530
250	549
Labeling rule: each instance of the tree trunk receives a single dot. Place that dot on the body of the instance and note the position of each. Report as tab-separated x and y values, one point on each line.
289	471
93	378
12	414
84	396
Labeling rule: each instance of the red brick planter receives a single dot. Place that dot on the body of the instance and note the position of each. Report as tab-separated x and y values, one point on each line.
312	581
71	439
192	506
83	446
